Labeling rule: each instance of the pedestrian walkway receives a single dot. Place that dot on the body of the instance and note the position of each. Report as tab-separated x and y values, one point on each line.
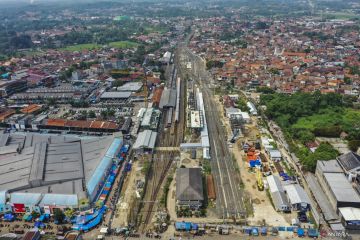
167	149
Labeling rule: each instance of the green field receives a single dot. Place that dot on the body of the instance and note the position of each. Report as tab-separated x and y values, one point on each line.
339	15
123	44
90	46
81	47
347	118
159	29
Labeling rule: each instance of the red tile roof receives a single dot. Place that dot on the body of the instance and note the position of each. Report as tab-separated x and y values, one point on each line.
82	124
30	109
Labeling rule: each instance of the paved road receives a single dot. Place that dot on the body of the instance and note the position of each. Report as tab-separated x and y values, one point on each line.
229	195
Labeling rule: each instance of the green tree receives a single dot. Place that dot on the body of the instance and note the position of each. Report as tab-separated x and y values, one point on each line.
242	105
265	90
117	83
59	215
91	114
69	213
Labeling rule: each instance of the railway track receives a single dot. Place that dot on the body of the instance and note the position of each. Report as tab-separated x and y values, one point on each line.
165	166
162	161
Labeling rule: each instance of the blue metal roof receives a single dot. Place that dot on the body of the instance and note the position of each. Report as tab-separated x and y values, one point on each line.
70	200
3	197
25	198
103	165
98	174
114	147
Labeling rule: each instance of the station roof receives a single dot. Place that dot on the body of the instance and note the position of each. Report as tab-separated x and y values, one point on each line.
115	95
145	139
195	119
130	87
168	98
189	186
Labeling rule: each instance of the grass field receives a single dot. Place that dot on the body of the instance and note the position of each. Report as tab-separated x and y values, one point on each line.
151	29
90	46
123	44
348	118
339	15
81	47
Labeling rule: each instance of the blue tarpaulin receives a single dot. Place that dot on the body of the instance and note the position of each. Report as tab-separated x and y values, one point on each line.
282	229
290	229
300	232
184	226
5	75
128	167
194	226
9	217
124	149
91	224
254	163
313	233
39	224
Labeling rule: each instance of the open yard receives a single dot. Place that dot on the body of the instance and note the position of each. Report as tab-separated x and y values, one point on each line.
123	44
81	47
90	46
347	118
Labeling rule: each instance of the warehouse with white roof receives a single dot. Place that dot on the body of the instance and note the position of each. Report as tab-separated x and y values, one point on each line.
278	194
297	197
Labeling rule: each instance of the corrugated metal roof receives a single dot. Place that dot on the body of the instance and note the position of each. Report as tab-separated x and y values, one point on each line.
145	139
349	160
25	198
56	122
82	124
59	200
189	186
341	187
120	95
350	213
274	184
3	197
130	87
31	108
210	187
279	200
296	194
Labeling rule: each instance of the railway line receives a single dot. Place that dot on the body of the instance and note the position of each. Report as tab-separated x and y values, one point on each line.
230	200
162	161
